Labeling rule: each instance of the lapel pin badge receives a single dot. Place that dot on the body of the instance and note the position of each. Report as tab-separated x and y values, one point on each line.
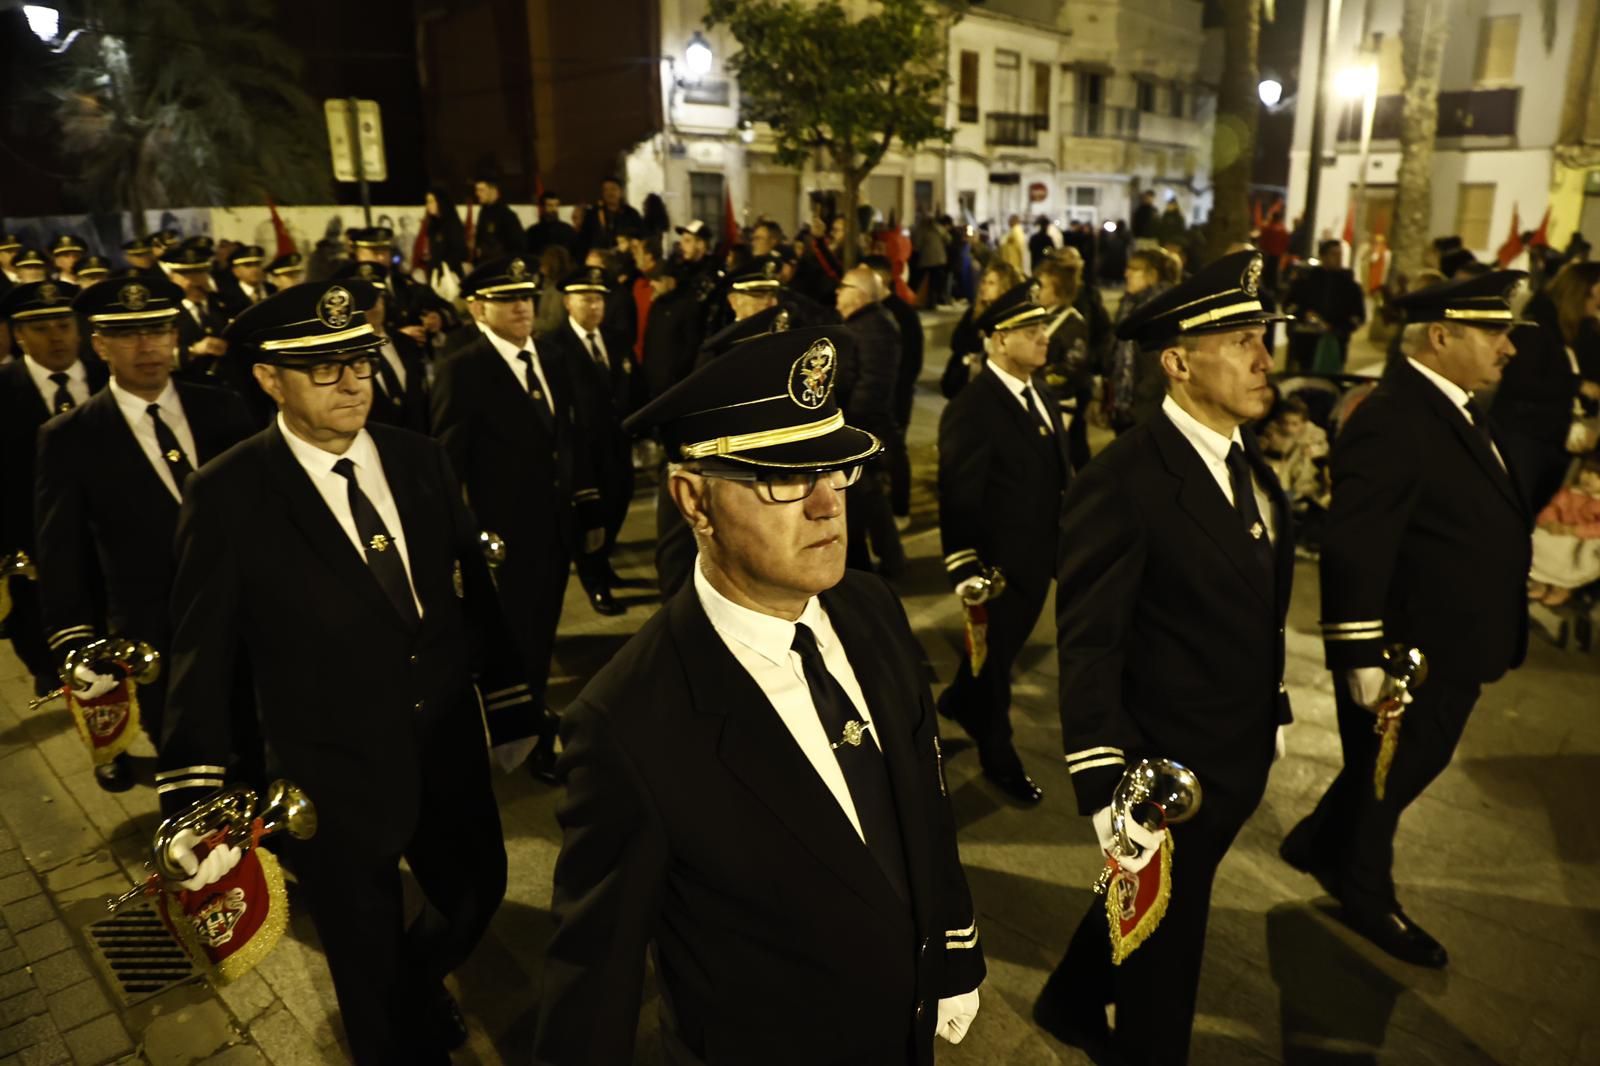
1256	531
379	543
853	732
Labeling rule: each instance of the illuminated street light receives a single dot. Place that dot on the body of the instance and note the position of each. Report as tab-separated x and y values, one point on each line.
1358	82
697	56
45	22
1270	91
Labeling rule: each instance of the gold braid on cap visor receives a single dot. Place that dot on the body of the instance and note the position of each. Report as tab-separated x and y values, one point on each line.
768	438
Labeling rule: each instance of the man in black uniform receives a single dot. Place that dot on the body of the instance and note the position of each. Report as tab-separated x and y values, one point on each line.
286	270
1427	545
1002	469
1176	562
497	232
29	265
246	283
65	251
603	360
10	245
753	782
905	382
140	254
510	417
400	389
341	558
48	380
866	393
109	480
375	245
202	318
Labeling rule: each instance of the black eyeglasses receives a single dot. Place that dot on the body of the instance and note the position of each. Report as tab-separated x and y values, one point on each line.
786	487
332	371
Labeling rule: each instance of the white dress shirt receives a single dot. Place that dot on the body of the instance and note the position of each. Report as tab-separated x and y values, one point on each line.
1015	385
761	644
77	382
599	343
1213	449
1456	395
510	353
335	491
136	412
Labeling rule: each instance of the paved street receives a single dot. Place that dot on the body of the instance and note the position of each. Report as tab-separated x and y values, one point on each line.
1499	860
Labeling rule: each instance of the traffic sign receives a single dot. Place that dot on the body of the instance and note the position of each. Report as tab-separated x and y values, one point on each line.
352	132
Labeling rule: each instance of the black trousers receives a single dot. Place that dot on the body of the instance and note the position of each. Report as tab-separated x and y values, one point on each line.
1351	830
1155	988
389	976
25	626
532	583
981	702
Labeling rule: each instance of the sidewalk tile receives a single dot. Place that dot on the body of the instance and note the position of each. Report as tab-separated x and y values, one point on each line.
285	1041
189	1034
247	997
80	871
237	1055
59	971
15	983
102	1040
18	886
12	862
28	1033
44	940
27	913
77	1004
26	1005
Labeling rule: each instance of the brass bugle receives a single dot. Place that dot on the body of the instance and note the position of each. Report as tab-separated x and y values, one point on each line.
126	658
17	564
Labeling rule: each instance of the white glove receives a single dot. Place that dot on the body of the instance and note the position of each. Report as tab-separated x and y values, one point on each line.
955	1015
513	753
1148	842
1279	747
1366	684
203	872
973	590
89	684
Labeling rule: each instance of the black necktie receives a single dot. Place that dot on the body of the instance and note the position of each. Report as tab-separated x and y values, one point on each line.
383	554
1244	501
529	376
63	400
594	352
1480	425
865	771
1033	409
171	450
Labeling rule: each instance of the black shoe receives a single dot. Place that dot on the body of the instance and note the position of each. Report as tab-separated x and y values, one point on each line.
542	759
1017	784
1399	936
1297	851
1084	1028
447	1030
601	601
617	581
114	776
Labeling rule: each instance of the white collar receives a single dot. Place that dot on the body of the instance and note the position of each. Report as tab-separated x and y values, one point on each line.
135	408
1211	445
1010	380
319	463
506	349
583	336
1455	393
41	374
771	638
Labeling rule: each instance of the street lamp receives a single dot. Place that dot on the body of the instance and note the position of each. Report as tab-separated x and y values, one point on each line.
1360	82
697	56
45	22
1271	91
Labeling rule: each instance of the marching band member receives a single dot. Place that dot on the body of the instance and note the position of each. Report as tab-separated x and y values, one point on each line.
753	782
341	558
1175	572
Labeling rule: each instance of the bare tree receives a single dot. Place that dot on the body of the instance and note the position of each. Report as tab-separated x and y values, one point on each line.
1423	28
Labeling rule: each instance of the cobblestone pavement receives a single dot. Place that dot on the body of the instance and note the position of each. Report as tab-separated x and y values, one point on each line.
1498	859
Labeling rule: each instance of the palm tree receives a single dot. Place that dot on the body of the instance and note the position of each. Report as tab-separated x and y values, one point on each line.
1233	142
190	103
1423	28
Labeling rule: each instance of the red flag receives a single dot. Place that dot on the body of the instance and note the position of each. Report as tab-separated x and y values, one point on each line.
1513	245
285	241
1541	236
730	224
1350	223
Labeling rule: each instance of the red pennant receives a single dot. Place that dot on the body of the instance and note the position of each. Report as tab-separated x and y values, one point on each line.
281	231
1541	236
1513	245
231	924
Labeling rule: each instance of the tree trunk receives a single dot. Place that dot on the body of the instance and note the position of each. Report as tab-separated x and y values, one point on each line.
1233	143
849	198
1423	28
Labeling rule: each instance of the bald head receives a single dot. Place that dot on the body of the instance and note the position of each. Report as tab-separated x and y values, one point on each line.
859	288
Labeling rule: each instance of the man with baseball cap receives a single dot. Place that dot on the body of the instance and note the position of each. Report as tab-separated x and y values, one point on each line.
772	717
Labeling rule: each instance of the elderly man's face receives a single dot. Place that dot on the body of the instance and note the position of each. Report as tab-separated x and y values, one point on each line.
1471	357
586	309
772	552
1225	374
326	415
50	342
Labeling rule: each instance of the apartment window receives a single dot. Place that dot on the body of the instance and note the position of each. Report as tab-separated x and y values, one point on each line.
1041	93
1391	74
968	87
705	196
1008	81
1145	95
1474	208
1180	101
1497	49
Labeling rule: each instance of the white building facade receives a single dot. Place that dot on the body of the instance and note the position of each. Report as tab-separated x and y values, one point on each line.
1497	155
1062	108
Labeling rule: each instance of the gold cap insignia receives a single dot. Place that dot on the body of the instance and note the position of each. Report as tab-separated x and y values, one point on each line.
134	297
335	309
771	269
811	377
1251	281
780	321
49	293
517	271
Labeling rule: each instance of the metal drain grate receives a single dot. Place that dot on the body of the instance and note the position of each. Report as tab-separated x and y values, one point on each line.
137	952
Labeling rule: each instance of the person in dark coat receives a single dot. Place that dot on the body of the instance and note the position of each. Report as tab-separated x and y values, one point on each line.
447	237
109	480
905	383
1427	545
966	344
246	282
1003	465
754	791
1174	583
672	333
1538	399
550	229
49	379
341	559
608	218
497	233
510	416
866	394
1070	367
1324	300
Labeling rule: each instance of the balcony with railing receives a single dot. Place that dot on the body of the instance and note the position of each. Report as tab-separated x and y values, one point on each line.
1104	120
1462	113
1006	129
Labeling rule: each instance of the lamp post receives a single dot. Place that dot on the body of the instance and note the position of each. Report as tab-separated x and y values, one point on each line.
1360	82
1271	91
